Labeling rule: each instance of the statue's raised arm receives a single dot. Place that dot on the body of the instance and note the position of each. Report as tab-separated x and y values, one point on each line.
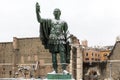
38	12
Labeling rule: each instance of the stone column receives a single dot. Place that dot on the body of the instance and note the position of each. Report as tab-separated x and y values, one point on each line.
79	62
79	67
70	65
79	58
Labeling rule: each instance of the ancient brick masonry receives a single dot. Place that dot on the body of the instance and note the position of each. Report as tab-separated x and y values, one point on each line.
24	52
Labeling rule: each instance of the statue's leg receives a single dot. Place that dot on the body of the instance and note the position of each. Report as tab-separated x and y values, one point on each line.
62	56
54	61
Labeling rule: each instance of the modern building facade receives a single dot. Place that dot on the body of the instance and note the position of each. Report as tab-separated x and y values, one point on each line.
95	61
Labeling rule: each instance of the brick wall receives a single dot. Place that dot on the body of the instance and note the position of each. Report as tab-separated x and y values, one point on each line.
23	52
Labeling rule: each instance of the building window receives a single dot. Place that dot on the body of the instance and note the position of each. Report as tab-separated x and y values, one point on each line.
86	58
86	54
3	69
96	59
92	58
95	54
92	54
10	73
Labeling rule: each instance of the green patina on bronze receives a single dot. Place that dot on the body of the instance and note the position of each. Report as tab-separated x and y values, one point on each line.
53	33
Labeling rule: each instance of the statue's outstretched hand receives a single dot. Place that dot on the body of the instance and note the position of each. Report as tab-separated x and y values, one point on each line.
37	7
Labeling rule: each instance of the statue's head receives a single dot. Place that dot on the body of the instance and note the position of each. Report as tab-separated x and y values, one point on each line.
57	13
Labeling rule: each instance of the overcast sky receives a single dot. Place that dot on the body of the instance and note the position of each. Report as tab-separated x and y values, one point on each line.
98	21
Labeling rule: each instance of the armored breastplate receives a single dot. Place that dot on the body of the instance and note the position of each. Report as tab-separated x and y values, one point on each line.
56	31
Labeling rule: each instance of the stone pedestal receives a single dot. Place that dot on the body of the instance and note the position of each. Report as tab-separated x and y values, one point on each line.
59	76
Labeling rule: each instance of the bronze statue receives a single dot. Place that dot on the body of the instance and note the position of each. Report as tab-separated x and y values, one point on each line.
53	33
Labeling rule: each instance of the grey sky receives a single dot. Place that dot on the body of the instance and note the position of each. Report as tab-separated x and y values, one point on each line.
97	21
